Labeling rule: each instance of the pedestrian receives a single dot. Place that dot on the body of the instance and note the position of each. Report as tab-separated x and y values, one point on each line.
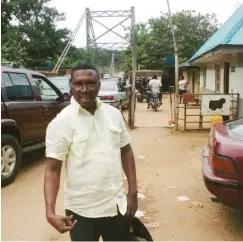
182	87
92	140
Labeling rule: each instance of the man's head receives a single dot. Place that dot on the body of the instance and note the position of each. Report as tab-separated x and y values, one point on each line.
85	85
154	77
182	77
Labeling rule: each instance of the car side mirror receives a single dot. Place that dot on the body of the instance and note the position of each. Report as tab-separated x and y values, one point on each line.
66	96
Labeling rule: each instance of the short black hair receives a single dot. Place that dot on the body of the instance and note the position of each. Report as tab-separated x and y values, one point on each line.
85	66
154	77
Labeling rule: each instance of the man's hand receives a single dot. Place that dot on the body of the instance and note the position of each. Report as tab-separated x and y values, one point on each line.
132	204
62	223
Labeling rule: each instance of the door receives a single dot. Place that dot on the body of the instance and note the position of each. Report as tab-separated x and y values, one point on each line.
226	77
21	105
51	100
193	82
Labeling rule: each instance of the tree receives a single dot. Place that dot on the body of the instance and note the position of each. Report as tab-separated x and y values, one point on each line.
34	29
154	39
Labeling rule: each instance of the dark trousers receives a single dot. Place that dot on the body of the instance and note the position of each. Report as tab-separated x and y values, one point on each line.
181	92
115	228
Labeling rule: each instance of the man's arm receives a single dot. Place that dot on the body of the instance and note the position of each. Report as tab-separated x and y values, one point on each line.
56	151
129	167
51	185
128	164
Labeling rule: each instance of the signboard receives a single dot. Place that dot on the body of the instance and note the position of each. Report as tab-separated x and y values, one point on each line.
216	105
170	60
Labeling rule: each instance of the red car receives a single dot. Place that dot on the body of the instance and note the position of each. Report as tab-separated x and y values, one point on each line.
223	163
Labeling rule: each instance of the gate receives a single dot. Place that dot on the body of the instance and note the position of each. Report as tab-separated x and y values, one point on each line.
196	111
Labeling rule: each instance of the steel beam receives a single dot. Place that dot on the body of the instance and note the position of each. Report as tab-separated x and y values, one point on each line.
110	29
129	42
109	13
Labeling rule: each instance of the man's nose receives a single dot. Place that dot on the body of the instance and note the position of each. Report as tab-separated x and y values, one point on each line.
83	88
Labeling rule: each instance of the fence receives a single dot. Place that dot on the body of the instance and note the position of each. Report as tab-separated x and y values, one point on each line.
197	110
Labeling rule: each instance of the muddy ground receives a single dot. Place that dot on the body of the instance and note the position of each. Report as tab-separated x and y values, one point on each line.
169	164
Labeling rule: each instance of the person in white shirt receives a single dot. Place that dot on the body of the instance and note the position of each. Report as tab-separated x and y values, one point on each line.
90	137
156	87
182	87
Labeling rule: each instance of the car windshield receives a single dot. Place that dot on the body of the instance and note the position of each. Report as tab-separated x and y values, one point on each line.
61	83
235	129
107	86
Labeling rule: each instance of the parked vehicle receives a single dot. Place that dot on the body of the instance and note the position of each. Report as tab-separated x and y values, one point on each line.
114	93
29	102
223	163
62	82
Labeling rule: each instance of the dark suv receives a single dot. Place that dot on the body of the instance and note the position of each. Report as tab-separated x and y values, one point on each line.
29	102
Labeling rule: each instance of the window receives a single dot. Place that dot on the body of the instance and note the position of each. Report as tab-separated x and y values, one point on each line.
235	129
17	86
46	91
63	84
217	78
107	86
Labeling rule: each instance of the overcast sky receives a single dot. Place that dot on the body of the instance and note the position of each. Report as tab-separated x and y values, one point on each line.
144	10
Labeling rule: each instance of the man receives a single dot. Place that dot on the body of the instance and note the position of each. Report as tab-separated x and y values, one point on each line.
156	87
92	140
182	86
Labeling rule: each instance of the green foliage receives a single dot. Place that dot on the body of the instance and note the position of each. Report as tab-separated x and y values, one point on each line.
30	27
155	43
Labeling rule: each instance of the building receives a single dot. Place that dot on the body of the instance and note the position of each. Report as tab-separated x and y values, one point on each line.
221	59
192	76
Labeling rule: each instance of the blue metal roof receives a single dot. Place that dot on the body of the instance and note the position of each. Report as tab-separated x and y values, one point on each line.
230	33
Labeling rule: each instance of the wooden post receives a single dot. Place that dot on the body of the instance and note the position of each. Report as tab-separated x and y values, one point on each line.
131	115
200	121
185	116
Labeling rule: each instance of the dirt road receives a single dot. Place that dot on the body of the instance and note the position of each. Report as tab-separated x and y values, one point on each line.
168	165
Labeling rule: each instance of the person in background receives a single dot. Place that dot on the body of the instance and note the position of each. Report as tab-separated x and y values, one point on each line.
91	138
182	87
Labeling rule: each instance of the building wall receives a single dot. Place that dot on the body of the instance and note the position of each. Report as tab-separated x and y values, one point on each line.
235	77
210	77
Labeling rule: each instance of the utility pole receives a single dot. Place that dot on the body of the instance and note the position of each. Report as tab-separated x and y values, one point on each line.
131	115
176	70
113	64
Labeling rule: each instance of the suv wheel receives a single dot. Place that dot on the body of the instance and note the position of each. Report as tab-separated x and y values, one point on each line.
10	159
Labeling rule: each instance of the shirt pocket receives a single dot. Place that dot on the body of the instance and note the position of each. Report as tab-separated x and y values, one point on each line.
79	144
115	135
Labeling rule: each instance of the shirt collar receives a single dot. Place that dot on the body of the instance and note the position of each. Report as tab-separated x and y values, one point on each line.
78	108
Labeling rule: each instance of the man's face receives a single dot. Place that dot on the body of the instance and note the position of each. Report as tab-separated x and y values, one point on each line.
85	87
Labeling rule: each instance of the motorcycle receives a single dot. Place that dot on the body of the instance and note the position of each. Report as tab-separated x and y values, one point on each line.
155	101
140	96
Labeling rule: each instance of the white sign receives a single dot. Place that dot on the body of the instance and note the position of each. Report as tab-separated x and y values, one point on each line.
215	104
